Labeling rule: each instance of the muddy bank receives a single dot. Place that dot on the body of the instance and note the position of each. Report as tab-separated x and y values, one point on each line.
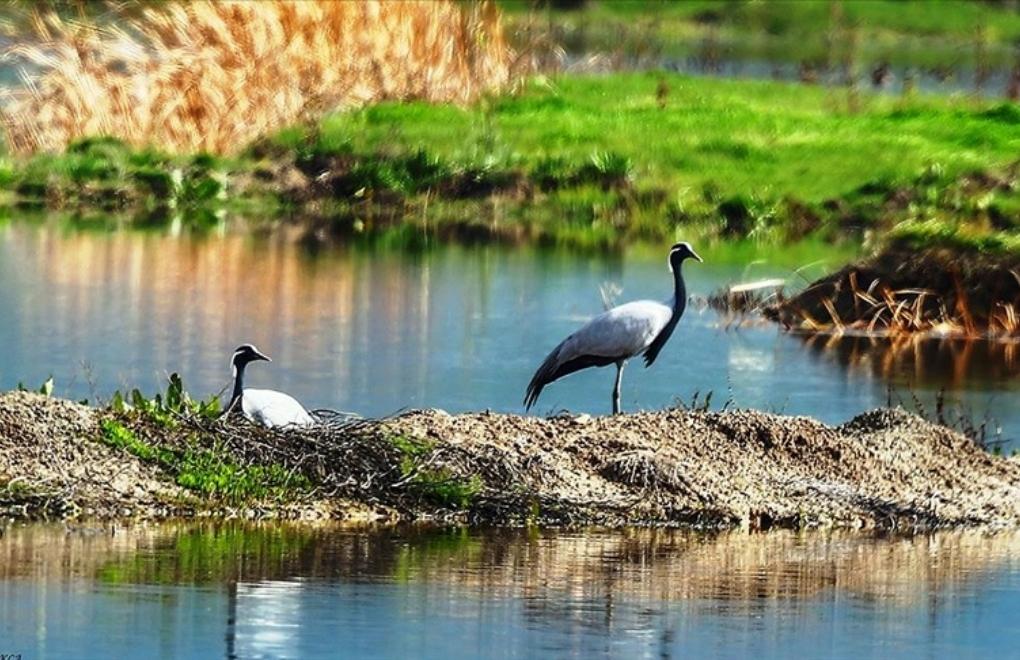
938	291
883	469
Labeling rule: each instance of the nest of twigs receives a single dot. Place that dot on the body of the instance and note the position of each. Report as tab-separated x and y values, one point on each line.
340	456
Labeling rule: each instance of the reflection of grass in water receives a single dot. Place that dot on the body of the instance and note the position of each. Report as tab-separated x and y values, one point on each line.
669	565
904	33
217	553
458	545
212	554
814	256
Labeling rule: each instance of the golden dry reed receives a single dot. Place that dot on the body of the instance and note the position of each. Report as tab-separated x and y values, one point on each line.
889	312
213	76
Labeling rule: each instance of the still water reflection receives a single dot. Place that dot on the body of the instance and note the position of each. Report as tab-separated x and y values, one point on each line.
283	591
455	328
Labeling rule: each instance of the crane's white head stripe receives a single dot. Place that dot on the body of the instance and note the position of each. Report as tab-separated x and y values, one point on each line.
244	353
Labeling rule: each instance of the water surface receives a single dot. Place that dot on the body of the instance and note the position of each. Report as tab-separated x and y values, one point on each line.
277	591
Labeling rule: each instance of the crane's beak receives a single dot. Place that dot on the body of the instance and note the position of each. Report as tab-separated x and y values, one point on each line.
695	256
262	356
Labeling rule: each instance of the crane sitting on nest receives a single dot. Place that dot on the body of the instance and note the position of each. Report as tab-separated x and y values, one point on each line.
267	407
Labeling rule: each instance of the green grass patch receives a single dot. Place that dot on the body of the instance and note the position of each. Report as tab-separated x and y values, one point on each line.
210	472
603	162
959	237
115	434
437	485
739	137
14	490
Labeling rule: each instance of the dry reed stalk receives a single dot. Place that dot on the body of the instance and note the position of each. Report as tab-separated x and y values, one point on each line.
1007	318
834	315
963	308
213	76
902	312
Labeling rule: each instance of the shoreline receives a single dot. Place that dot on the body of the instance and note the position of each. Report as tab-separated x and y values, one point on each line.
882	470
496	175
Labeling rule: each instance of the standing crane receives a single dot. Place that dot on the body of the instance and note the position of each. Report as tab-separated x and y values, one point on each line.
636	328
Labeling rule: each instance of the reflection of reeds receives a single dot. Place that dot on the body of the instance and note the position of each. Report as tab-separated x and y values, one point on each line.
215	75
948	362
204	289
653	564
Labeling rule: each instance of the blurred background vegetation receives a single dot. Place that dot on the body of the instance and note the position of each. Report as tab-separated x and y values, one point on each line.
585	123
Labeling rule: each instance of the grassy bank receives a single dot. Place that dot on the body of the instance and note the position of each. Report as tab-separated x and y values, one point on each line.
595	162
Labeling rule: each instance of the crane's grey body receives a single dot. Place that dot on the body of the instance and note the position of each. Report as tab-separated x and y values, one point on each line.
267	407
613	337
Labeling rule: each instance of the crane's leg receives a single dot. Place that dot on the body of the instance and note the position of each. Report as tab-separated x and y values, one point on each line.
616	387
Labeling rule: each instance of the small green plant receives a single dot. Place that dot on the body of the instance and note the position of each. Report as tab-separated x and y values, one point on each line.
46	389
213	473
606	168
421	171
438	485
15	490
165	408
444	488
412	450
551	173
117	435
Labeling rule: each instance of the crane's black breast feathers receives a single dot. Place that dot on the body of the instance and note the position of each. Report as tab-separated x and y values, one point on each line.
550	371
660	340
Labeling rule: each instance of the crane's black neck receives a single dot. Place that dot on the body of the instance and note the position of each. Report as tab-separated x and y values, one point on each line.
679	294
679	304
238	384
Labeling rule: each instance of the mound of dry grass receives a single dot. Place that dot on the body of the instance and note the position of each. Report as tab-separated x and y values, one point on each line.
213	76
885	468
904	292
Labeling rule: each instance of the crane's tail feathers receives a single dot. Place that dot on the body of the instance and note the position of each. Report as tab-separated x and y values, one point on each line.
531	396
545	374
553	369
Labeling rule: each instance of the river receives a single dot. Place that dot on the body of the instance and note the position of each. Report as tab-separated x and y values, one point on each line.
283	591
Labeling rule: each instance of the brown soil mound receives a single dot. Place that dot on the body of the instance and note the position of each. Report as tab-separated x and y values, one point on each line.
906	290
49	466
886	468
